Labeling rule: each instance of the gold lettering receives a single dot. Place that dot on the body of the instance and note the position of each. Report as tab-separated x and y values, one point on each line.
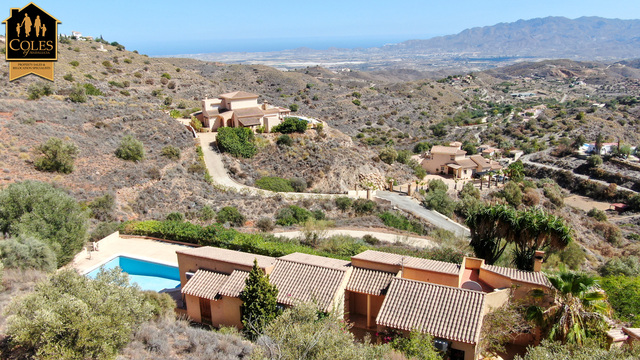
11	44
49	45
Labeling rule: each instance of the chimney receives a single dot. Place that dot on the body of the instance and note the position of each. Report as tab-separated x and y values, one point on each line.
265	105
538	257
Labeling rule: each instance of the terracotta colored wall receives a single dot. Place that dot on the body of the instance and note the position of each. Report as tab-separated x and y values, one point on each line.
193	263
193	307
431	277
374	266
226	311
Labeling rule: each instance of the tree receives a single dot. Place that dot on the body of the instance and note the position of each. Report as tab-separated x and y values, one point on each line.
41	211
512	194
56	156
594	161
130	149
259	302
388	155
417	345
71	316
294	107
231	215
494	227
24	252
576	312
578	142
421	147
236	141
302	332
470	148
291	125
437	198
516	171
343	203
599	140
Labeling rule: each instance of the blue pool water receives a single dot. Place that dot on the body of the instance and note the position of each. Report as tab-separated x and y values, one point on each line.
147	274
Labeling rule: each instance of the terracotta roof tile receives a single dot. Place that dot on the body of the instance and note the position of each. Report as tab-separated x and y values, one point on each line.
449	150
238	95
249	112
442	311
250	121
298	282
466	163
531	277
205	284
409	261
229	256
369	281
481	161
316	260
234	284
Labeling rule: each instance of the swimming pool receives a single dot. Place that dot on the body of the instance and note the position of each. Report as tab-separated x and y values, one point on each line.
149	275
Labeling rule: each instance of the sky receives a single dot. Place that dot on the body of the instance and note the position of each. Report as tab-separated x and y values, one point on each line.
164	27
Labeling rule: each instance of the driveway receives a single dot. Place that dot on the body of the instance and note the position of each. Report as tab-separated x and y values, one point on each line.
412	206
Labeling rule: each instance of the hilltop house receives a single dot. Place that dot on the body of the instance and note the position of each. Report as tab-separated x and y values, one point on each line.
454	161
239	109
375	291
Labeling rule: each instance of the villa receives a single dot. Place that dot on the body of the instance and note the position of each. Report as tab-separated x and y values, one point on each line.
454	161
239	109
375	291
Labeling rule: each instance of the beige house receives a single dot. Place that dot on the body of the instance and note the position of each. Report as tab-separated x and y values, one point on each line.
375	291
452	160
239	109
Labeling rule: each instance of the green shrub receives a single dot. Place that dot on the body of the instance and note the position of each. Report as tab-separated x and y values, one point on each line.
39	210
623	294
627	266
130	149
206	213
85	319
103	230
298	184
236	141
437	198
38	90
285	140
127	61
23	252
399	221
274	183
594	161
291	125
92	90
78	95
171	152
74	63
102	207
363	206
318	214
388	155
116	84
512	193
162	305
421	147
166	76
294	107
107	64
231	215
597	214
56	156
356	102
343	203
292	215
175	216
417	345
403	156
68	77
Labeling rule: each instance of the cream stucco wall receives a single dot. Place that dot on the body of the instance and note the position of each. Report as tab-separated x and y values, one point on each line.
241	104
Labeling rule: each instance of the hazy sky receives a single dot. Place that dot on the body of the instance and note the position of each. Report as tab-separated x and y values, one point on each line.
178	27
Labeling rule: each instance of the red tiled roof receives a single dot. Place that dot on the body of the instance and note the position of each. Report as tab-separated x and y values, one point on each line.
298	282
481	161
531	277
229	256
408	261
205	284
369	281
316	260
442	311
237	95
235	283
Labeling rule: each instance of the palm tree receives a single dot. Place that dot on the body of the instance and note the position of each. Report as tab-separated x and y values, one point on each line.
577	311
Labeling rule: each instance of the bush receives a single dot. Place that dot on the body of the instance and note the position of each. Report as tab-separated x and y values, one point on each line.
274	183
73	317
175	216
91	90
38	90
285	140
437	199
421	147
166	76
39	210
74	63
236	141
403	156
78	95
343	203
292	215
107	64
594	161
356	102
623	294
171	152
512	194
298	184
553	194
531	197
416	346
102	207
627	266
103	230
23	252
399	221
291	125
363	206
130	149
206	213
56	156
265	224
294	107
68	77
597	214
588	351
231	215
388	155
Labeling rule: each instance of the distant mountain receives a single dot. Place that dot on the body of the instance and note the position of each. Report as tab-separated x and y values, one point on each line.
587	38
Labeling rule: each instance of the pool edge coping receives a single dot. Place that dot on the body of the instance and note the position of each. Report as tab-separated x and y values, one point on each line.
137	257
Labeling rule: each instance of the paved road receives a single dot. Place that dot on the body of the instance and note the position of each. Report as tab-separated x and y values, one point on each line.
412	206
213	161
383	236
525	160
